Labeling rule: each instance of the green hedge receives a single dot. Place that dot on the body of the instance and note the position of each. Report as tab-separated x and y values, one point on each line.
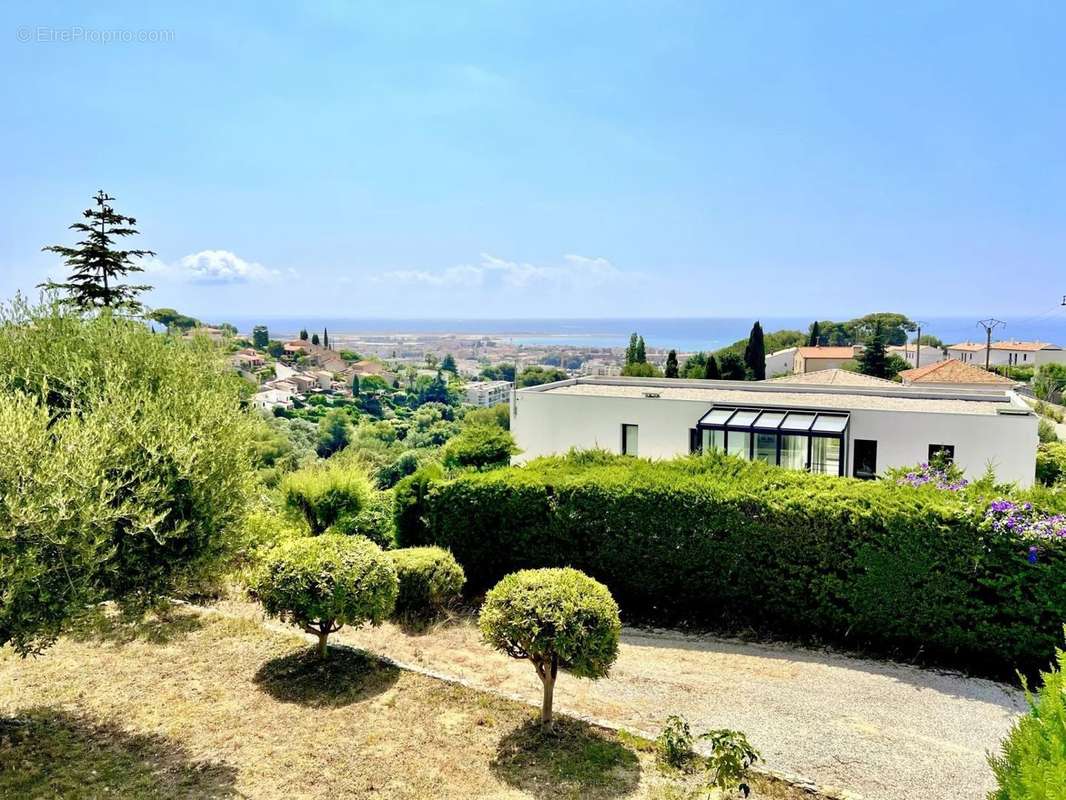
911	572
430	580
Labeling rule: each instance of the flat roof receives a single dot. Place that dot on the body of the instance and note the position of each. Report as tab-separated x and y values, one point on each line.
795	396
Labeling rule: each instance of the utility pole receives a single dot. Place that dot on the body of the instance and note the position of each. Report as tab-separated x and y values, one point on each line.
918	346
989	325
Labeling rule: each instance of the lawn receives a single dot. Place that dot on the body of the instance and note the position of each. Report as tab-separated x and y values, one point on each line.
205	706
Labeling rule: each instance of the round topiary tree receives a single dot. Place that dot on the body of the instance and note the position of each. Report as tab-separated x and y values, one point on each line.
326	494
430	578
557	619
322	583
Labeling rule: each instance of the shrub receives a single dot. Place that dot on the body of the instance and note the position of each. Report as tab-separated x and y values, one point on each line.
430	580
673	746
1046	432
409	498
556	619
326	494
715	540
322	583
479	447
730	760
1033	761
124	466
1051	463
374	521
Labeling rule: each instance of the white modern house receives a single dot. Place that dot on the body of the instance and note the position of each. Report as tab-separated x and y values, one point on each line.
915	355
781	362
487	393
1015	354
836	429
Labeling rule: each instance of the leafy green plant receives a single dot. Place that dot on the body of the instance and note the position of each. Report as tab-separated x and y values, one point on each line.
556	619
1051	463
124	466
430	580
1032	764
1046	432
321	583
673	746
479	447
730	760
326	494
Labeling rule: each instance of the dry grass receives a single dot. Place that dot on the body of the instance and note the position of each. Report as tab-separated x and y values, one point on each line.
203	706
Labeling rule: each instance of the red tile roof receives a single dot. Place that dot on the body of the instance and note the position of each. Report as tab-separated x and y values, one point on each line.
954	371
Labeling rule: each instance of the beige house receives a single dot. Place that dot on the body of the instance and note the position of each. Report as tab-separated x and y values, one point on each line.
813	359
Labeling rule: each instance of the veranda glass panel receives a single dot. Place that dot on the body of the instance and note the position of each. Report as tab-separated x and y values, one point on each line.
793	452
825	455
743	418
739	444
713	441
766	447
769	419
827	423
717	416
797	421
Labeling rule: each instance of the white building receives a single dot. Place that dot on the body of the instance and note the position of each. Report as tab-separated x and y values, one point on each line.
781	362
487	393
268	399
1015	354
916	356
840	430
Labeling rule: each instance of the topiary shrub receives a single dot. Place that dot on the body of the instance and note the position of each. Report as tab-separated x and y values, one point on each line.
409	497
326	494
430	579
479	446
1051	463
556	619
321	583
1033	762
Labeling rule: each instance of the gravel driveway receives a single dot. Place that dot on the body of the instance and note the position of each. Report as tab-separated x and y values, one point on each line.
875	730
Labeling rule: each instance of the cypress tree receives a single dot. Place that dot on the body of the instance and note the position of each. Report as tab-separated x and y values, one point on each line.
710	369
303	335
815	335
641	356
671	364
96	265
631	351
314	338
325	338
755	353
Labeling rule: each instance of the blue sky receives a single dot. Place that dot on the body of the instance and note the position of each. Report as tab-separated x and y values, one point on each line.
549	159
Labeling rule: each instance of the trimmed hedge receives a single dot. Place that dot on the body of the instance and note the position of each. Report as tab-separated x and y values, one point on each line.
903	570
430	579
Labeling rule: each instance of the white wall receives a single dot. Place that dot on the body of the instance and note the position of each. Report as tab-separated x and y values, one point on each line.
546	423
781	362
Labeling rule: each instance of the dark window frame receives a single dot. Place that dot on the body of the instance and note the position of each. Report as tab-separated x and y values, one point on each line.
855	459
937	448
623	449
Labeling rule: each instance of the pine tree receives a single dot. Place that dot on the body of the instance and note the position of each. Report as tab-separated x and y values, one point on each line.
260	337
303	335
631	351
815	335
671	364
641	354
325	338
314	338
448	364
710	369
874	359
755	352
733	367
95	265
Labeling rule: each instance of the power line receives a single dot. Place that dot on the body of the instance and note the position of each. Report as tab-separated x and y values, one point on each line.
989	325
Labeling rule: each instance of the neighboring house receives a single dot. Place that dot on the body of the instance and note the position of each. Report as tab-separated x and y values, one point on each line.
812	359
324	379
953	374
269	399
600	367
781	362
832	377
487	393
247	359
837	430
1014	354
303	382
915	356
967	352
297	347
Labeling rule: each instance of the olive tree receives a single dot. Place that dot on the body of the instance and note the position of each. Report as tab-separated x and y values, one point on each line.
556	619
124	465
322	583
326	494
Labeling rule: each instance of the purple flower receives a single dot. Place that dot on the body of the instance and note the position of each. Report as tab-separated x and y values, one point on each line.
1032	555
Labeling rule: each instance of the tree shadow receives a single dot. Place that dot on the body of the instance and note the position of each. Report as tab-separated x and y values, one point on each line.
162	626
347	676
576	760
50	753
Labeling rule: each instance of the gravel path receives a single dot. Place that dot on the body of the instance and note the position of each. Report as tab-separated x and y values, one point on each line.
870	729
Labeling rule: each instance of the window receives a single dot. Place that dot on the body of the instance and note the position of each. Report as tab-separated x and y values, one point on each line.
766	447
865	459
945	451
629	440
713	441
793	452
825	455
739	444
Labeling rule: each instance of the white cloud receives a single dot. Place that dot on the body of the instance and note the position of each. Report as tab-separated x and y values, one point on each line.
576	272
214	267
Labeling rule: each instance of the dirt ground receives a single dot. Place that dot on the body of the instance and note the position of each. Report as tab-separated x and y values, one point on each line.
878	730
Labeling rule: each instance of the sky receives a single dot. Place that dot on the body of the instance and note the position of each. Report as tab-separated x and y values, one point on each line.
547	159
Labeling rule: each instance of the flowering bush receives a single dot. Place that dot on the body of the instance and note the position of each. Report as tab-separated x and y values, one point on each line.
1025	522
939	472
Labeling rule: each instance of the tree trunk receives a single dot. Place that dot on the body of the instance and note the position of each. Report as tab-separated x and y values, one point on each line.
323	635
548	673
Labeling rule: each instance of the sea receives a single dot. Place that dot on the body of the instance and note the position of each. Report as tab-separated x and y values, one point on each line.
683	333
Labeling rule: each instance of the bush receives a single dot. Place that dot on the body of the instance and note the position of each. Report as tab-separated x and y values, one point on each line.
374	521
1051	463
1046	432
718	541
124	466
730	760
479	447
673	746
1033	762
556	619
322	583
409	498
430	580
326	494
